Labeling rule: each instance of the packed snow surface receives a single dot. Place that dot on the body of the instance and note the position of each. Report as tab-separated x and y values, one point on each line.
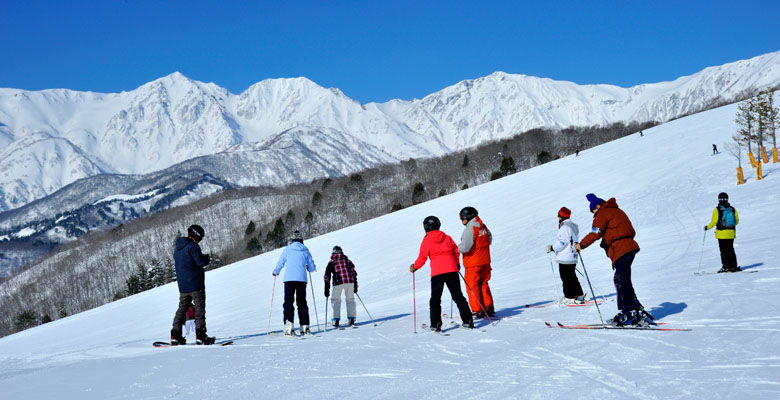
667	181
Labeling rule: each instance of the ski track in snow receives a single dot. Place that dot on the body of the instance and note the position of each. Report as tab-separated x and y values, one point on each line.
666	183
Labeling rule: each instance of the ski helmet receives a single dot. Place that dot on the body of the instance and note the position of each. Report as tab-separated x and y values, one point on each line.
196	232
431	223
337	249
468	213
723	197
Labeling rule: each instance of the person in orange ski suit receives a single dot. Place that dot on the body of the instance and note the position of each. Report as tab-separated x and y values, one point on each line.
475	247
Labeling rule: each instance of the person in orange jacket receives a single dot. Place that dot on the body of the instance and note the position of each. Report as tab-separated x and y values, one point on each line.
444	271
612	226
475	246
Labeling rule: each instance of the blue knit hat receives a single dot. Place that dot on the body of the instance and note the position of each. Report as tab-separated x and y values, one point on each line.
594	200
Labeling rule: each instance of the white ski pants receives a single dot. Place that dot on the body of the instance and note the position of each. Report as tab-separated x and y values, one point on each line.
349	294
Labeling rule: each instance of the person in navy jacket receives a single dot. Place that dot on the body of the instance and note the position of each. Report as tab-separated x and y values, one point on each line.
191	278
298	260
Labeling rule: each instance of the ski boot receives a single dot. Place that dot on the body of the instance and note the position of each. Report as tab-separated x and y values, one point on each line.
305	331
177	338
201	337
479	315
351	321
468	324
436	327
334	322
579	299
491	312
289	330
619	319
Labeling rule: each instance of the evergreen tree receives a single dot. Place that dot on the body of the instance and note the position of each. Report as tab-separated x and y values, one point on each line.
465	161
417	193
316	199
250	229
26	319
253	246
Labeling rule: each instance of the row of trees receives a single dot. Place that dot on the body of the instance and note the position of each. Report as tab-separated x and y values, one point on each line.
757	121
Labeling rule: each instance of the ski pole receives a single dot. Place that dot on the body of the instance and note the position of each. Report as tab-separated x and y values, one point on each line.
314	299
326	313
270	313
702	251
595	299
478	301
364	307
414	302
555	282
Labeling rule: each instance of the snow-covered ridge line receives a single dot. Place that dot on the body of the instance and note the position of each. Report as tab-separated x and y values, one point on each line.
174	118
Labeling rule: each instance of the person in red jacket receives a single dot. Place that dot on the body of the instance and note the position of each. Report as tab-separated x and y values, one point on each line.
443	252
612	226
475	246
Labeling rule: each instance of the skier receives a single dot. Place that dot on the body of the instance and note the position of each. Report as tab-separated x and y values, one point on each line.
714	149
725	218
298	260
191	278
566	256
344	280
612	226
444	271
475	245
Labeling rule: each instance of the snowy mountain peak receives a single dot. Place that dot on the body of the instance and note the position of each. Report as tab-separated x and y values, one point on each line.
175	118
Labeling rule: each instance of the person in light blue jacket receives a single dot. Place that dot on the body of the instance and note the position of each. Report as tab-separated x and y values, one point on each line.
298	260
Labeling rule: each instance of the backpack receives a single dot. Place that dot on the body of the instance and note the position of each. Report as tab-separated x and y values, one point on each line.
727	218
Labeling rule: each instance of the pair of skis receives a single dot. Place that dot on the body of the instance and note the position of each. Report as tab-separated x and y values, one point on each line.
168	344
657	326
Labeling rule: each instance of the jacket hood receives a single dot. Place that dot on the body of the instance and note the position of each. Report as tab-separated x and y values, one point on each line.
436	236
611	203
338	256
182	242
575	230
297	246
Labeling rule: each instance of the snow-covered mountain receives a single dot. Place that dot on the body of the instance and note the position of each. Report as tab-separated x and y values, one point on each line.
729	353
51	138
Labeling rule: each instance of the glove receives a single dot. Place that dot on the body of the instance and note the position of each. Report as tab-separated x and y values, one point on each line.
355	291
273	273
578	247
411	268
327	290
549	248
706	227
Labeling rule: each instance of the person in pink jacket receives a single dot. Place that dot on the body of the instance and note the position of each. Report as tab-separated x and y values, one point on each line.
443	252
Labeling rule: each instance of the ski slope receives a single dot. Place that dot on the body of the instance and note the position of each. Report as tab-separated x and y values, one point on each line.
667	182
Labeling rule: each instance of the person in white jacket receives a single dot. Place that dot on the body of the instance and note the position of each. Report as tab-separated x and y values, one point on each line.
566	257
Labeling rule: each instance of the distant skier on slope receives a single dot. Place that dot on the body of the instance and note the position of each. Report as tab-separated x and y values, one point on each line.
444	271
190	277
566	257
612	226
298	260
714	149
725	218
475	244
344	280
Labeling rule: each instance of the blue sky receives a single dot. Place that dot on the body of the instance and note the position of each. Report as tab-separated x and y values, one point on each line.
373	51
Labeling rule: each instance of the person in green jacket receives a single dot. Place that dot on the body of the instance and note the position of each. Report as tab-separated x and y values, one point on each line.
725	219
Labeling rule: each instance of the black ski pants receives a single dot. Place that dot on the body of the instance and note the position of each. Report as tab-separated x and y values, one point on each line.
728	258
626	297
452	280
571	285
295	292
198	300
